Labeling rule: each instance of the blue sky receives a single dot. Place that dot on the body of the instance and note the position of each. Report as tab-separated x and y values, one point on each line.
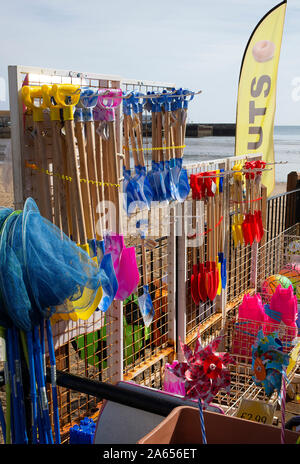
193	43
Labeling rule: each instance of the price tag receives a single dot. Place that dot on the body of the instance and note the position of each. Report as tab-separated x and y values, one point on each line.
256	411
293	358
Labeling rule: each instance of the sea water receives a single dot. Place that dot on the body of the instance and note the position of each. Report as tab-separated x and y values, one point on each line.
286	148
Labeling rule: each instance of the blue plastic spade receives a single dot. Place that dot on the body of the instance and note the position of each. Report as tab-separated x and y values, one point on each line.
108	277
145	301
132	186
140	169
179	175
167	174
221	256
155	175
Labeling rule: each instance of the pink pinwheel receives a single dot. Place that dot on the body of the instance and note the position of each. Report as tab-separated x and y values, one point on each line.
204	371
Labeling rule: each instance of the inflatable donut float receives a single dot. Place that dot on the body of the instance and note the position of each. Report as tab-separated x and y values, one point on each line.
263	51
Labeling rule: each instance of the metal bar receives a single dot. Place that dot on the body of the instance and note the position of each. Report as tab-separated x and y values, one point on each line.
147	400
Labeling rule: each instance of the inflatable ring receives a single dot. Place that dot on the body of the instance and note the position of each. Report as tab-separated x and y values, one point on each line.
263	51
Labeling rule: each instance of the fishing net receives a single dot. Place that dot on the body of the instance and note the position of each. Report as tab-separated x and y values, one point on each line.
4	319
42	271
17	304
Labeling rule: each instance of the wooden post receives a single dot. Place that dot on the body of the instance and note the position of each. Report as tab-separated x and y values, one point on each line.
15	101
172	321
262	245
291	216
181	260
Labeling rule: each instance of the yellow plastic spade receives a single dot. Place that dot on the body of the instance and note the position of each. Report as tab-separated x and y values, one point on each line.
237	231
34	102
219	291
66	97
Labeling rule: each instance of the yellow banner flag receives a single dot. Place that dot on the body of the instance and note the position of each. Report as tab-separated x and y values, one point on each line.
257	91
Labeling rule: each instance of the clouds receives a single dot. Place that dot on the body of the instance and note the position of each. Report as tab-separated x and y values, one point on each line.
196	44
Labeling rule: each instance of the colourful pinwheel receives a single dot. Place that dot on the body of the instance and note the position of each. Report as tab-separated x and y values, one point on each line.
269	362
204	371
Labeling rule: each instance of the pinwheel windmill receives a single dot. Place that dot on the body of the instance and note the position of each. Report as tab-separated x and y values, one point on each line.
269	364
204	372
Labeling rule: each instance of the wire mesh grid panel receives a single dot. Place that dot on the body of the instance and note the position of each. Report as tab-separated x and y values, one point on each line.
85	349
143	344
239	267
201	237
153	375
145	140
240	335
94	350
245	200
282	213
23	131
279	263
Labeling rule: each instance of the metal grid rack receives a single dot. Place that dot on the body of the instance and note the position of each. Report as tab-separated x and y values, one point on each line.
276	254
85	349
241	275
239	344
109	347
142	343
117	346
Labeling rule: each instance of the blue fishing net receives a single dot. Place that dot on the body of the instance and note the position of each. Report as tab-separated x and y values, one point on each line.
4	318
42	271
16	300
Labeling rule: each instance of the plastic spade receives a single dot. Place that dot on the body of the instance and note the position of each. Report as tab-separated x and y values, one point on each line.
145	301
202	271
180	176
32	94
124	259
237	228
212	275
168	178
133	194
221	256
195	275
67	96
198	192
155	176
60	187
140	168
248	226
258	217
88	100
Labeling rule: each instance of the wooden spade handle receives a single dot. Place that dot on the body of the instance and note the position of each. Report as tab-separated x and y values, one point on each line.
144	262
154	136
59	165
85	191
76	189
167	135
126	141
99	167
139	138
92	169
43	180
133	141
160	156
114	172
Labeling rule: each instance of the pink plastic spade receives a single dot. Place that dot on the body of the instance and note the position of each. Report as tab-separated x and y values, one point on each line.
125	265
127	273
